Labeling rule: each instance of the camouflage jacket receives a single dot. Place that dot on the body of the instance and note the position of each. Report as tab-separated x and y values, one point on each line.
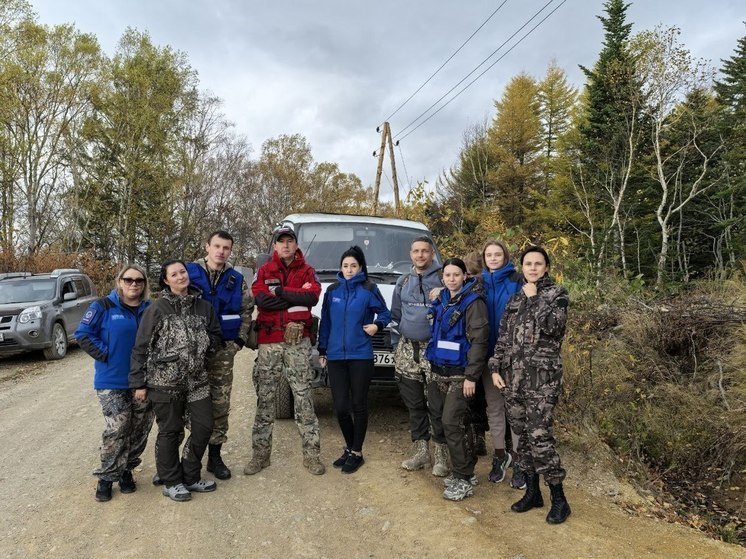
173	338
531	333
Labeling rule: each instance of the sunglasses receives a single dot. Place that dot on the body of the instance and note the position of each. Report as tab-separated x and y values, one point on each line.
136	281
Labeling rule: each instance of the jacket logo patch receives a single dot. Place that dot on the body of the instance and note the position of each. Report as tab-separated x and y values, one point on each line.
272	281
117	317
88	316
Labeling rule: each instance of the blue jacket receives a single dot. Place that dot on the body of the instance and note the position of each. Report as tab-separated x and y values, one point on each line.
499	286
348	306
449	346
107	333
225	298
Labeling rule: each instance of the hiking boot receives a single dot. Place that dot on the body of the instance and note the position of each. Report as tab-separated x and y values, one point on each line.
560	508
518	481
257	463
126	483
354	461
103	490
440	457
314	465
499	467
532	498
480	448
420	458
157	479
339	462
177	492
449	481
458	490
215	464
202	486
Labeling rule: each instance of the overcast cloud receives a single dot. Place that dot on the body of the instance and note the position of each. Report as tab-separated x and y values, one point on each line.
332	70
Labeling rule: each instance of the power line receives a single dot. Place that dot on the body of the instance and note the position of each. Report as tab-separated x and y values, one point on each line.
423	113
446	62
406	174
483	73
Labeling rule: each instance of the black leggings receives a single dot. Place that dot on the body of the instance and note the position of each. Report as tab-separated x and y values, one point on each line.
350	381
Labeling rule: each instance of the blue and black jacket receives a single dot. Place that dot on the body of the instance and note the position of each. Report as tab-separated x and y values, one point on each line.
499	286
348	306
225	296
107	333
460	331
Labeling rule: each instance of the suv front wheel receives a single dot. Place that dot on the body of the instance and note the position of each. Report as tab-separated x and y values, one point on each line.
59	343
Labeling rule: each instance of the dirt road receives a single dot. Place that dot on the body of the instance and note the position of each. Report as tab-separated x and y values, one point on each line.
50	424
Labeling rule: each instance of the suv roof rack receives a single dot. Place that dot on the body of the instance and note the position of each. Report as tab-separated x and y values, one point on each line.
6	275
59	271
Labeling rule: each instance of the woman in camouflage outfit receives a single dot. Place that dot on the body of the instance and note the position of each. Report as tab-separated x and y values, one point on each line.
527	365
168	368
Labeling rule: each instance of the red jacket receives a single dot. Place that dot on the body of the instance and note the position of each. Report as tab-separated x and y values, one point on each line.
289	302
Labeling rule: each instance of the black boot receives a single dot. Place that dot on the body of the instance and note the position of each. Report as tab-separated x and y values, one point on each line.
215	463
103	490
532	498
127	483
560	509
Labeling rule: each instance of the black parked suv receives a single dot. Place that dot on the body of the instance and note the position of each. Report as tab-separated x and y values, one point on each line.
41	311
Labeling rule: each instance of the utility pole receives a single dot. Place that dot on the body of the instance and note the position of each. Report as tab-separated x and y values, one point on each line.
386	138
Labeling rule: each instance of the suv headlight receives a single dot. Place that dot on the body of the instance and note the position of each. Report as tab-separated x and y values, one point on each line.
29	314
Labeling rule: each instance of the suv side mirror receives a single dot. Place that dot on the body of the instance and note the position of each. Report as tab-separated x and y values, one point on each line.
69	296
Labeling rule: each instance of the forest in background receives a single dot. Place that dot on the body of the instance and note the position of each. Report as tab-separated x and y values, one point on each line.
635	181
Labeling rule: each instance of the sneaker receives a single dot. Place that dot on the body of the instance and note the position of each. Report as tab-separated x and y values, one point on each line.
518	481
126	483
354	461
202	486
157	479
177	492
458	490
499	467
103	490
448	482
339	462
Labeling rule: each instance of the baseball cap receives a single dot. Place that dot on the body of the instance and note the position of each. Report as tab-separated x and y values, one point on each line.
283	230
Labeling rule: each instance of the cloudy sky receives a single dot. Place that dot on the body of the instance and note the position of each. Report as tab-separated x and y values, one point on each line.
332	70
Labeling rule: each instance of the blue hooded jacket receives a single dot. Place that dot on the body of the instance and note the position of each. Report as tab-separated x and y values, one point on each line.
348	306
499	286
107	333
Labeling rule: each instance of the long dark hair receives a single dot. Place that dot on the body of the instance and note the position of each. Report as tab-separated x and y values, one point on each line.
162	278
357	253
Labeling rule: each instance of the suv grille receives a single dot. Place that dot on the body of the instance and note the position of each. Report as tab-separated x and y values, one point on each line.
382	341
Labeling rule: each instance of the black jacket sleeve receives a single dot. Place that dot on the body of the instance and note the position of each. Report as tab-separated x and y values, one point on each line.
145	332
478	333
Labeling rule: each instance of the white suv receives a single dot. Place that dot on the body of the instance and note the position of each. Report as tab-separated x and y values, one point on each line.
386	243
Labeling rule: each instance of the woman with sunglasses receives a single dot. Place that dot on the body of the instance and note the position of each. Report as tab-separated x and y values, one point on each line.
168	370
107	333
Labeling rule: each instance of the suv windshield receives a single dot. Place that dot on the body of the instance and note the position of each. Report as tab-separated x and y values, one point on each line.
386	247
26	290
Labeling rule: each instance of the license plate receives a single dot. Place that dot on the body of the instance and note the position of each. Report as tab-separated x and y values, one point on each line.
383	358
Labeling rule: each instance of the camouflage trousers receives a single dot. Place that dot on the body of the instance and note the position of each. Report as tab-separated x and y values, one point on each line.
416	389
220	376
458	427
125	436
530	411
293	362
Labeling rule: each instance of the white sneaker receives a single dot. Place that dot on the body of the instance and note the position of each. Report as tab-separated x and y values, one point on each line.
202	486
177	492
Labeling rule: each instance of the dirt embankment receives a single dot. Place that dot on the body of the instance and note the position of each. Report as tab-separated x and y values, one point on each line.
50	424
